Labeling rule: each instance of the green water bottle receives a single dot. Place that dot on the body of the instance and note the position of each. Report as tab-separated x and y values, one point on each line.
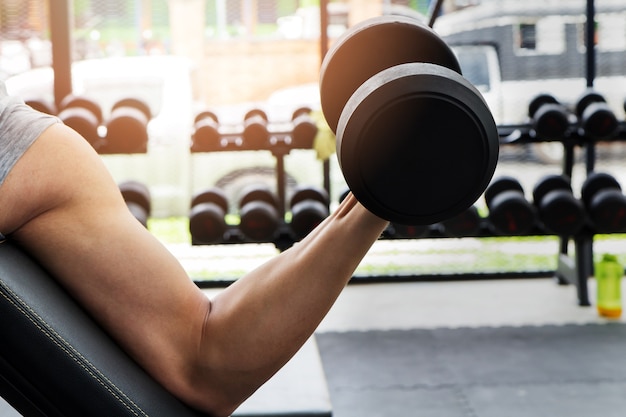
609	274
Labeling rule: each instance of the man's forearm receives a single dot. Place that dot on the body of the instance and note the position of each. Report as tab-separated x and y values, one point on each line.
263	318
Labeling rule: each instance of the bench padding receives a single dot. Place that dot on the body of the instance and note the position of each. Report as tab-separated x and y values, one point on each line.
56	361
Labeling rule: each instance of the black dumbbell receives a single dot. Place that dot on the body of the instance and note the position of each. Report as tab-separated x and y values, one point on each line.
83	115
207	218
309	207
259	214
206	135
137	198
510	213
605	202
550	119
127	127
255	131
407	123
466	223
304	128
597	120
560	212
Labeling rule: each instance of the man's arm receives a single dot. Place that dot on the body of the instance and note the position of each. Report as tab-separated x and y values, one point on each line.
62	205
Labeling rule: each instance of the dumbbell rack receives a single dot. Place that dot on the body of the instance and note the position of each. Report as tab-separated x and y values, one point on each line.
571	269
577	269
281	142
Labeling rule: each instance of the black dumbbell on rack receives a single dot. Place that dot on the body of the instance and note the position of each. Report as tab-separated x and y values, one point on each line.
605	203
255	130
83	115
550	119
304	128
127	127
207	218
309	207
206	133
597	120
510	213
137	198
560	212
259	214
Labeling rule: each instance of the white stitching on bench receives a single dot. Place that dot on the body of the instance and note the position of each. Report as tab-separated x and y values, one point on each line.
71	352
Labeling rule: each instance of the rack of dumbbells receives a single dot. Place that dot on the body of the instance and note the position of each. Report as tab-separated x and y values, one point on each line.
601	207
554	209
123	132
262	210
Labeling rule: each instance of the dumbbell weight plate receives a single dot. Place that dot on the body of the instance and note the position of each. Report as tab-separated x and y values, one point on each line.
605	202
309	207
255	132
560	212
212	195
72	101
306	192
608	211
83	115
370	47
304	128
255	113
135	103
540	100
136	192
501	184
306	216
301	111
510	214
137	198
587	98
258	193
84	122
595	182
206	136
207	223
550	119
550	183
127	127
599	121
259	213
259	221
417	144
596	118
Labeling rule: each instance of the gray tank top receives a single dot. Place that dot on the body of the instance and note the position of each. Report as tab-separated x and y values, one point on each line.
20	126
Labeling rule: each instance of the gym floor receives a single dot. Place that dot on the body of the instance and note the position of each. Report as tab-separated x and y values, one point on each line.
480	349
510	347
